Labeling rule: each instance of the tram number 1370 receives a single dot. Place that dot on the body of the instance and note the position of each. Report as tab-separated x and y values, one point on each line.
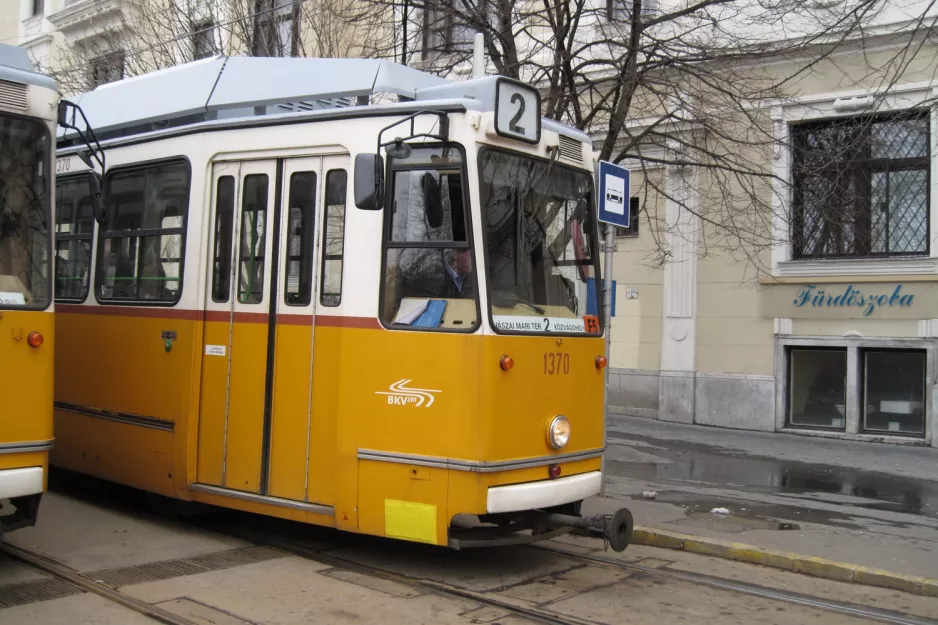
556	363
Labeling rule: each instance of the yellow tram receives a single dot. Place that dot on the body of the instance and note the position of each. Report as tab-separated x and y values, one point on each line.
27	124
29	109
344	292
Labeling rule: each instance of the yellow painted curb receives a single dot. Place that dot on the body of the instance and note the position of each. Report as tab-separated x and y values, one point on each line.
930	587
818	567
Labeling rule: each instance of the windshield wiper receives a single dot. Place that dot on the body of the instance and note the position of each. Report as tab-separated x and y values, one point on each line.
510	299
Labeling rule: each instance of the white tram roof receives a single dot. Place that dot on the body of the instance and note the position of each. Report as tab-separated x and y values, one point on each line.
15	67
228	88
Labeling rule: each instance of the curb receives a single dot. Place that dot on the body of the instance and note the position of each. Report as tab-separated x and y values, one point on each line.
796	563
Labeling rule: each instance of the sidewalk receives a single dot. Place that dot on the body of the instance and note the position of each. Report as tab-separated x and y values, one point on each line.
865	504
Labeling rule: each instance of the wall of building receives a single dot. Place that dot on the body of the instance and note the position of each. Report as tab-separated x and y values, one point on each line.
728	318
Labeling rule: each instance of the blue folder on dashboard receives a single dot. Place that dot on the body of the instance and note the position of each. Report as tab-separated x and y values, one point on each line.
432	317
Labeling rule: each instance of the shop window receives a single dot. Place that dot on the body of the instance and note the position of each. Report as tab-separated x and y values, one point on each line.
817	388
893	391
861	186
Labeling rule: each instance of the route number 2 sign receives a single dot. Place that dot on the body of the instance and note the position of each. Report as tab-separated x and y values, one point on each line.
517	111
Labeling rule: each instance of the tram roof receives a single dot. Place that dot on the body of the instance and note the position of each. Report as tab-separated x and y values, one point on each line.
231	87
15	67
227	88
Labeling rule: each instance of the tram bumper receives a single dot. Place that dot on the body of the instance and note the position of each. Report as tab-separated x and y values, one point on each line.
20	482
546	507
23	487
544	493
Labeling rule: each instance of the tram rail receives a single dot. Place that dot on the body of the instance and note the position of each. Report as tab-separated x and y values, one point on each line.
543	616
329	556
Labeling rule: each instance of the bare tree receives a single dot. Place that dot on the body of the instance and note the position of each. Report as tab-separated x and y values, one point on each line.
685	86
148	35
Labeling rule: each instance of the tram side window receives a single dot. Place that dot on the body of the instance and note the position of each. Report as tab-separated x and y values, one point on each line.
224	222
299	275
333	247
253	239
140	254
74	231
429	279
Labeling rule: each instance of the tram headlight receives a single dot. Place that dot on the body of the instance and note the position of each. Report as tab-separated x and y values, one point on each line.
558	432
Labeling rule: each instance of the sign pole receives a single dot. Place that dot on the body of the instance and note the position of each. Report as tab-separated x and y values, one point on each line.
614	187
607	319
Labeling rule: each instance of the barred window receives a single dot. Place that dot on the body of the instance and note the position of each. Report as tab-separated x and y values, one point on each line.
74	231
861	186
140	253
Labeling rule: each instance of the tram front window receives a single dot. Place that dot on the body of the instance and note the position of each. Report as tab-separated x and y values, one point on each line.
429	273
539	249
24	214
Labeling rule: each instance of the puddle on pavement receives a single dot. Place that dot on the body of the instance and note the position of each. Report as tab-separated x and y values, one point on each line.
638	457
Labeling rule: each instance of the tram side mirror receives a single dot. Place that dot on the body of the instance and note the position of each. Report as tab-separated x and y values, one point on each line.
97	196
432	201
369	181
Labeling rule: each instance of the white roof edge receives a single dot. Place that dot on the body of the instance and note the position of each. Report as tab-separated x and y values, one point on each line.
233	86
15	66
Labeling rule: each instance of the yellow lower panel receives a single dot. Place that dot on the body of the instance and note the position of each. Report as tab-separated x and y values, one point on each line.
410	521
136	456
213	401
246	406
26	376
417	499
290	424
281	512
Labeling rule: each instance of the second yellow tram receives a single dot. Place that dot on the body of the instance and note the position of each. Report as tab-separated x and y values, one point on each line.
343	292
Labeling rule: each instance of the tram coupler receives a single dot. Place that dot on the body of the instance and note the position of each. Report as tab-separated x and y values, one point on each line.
615	528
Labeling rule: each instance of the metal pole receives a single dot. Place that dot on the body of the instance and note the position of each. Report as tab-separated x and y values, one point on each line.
478	56
404	35
607	318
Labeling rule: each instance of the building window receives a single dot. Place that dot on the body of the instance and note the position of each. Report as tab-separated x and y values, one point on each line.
621	10
38	7
74	232
105	69
140	251
632	230
203	41
299	279
861	186
444	30
893	391
276	28
817	388
333	246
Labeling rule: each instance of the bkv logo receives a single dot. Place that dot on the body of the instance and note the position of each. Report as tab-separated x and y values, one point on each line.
400	395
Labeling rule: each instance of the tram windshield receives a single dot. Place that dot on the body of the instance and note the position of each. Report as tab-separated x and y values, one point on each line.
24	213
539	252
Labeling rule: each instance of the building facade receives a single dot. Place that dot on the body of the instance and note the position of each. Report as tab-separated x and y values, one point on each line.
834	334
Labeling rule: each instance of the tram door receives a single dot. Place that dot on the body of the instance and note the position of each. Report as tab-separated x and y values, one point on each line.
256	426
